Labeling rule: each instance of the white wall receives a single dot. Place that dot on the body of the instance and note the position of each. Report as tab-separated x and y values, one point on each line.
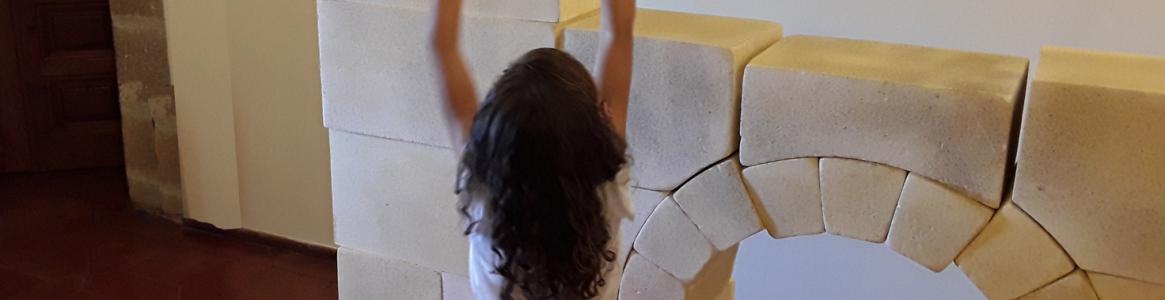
284	173
855	270
999	26
830	267
252	144
200	72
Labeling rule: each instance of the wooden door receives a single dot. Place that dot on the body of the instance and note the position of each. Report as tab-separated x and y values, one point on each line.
61	105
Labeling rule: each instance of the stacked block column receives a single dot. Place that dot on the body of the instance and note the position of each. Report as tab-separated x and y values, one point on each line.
682	129
397	225
1091	165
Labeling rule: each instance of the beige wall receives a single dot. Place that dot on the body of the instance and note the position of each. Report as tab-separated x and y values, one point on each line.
276	131
200	71
998	26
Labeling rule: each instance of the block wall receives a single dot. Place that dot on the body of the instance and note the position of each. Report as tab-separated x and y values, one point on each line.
933	153
148	121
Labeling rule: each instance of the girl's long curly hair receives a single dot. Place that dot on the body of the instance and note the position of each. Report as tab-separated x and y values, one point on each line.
539	149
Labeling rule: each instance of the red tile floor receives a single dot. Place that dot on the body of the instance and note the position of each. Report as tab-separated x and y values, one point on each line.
68	235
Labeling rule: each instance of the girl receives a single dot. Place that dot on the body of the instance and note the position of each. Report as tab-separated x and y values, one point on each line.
542	182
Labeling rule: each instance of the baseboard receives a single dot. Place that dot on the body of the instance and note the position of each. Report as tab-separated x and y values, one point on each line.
263	238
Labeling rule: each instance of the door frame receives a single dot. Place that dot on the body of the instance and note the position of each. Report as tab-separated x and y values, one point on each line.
16	156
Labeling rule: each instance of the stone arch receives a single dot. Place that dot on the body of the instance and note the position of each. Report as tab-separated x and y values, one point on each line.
688	244
900	145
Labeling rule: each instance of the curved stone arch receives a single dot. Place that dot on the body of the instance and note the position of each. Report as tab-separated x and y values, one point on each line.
687	246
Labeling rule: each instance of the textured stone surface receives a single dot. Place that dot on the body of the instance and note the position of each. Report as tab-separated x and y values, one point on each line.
375	84
943	114
1112	287
858	197
396	199
1013	256
644	202
789	192
455	287
533	10
365	275
1092	159
147	105
1075	286
717	201
642	279
933	223
670	240
685	88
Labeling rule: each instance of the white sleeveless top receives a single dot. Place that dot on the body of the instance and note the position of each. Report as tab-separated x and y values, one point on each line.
488	285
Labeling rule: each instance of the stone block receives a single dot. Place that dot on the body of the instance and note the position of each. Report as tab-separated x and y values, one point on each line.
685	93
719	204
1013	256
375	84
142	56
671	241
136	7
858	197
943	114
172	200
146	194
1092	158
790	193
933	223
532	10
138	139
455	287
644	203
396	199
642	279
365	275
1113	287
1075	286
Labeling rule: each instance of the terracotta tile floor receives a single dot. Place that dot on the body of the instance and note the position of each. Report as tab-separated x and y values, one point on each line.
68	235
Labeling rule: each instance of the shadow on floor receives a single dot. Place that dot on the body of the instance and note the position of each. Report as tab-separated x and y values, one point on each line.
68	235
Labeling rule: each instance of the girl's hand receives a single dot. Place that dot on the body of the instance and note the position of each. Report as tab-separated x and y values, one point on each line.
460	97
614	73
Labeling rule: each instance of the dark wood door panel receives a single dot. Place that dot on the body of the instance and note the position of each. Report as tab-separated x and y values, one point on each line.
68	82
14	152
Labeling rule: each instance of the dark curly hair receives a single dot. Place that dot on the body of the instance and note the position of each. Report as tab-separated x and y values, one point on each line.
539	149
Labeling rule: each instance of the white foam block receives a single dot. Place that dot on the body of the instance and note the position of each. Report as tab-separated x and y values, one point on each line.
933	223
1092	159
670	240
366	276
455	287
396	199
789	192
719	205
1075	286
1113	287
379	77
685	88
1013	256
943	114
858	197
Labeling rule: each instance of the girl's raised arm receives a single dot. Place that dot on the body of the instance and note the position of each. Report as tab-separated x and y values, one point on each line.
614	73
460	98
